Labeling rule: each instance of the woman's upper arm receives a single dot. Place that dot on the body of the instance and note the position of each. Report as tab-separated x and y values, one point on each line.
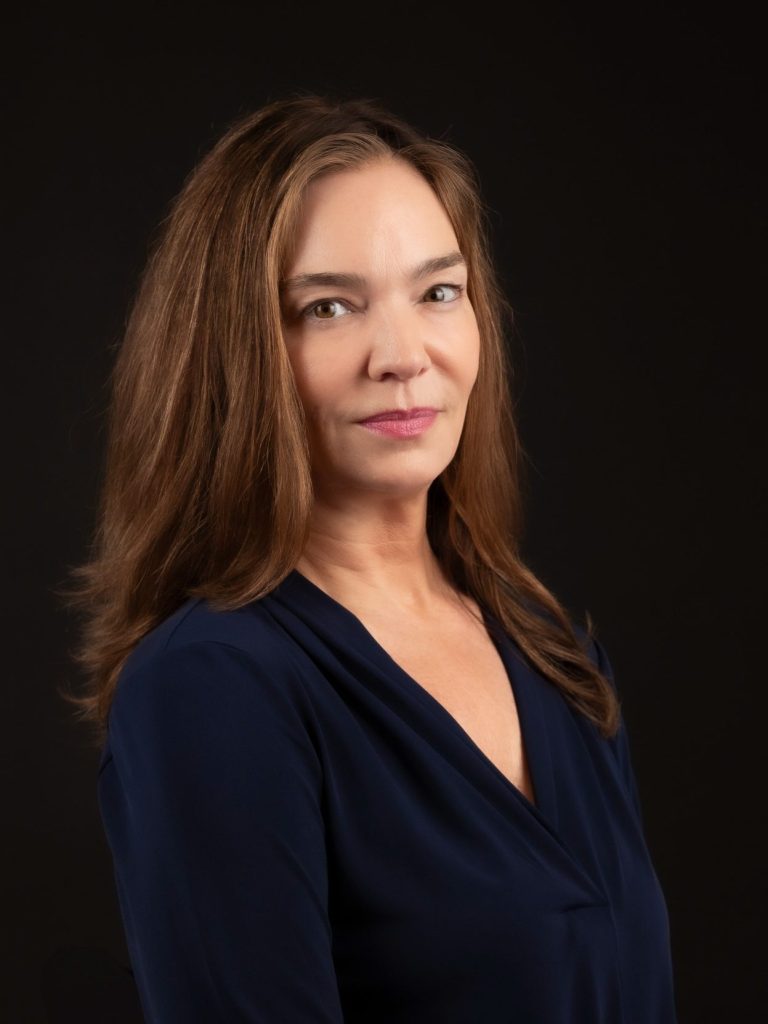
211	806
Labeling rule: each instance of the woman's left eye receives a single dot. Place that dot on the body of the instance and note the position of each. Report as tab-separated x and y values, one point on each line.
439	287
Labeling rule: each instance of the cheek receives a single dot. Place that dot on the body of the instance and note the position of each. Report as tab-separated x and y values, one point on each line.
321	379
467	362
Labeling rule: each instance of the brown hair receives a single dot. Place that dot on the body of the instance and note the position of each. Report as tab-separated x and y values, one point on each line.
207	489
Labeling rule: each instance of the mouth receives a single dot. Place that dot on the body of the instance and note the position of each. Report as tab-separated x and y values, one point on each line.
388	415
401	426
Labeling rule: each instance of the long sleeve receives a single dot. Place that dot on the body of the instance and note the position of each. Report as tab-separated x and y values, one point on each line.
211	803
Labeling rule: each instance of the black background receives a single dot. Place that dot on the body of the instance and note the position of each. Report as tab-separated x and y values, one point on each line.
618	150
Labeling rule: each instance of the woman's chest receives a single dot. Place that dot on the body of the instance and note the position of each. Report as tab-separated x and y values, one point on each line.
459	667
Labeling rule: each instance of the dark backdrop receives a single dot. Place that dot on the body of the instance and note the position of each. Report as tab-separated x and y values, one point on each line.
618	152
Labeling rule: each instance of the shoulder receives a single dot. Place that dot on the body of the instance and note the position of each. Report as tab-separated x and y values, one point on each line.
197	626
209	665
249	629
592	647
206	696
595	650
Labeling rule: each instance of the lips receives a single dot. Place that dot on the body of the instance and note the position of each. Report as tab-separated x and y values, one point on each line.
400	414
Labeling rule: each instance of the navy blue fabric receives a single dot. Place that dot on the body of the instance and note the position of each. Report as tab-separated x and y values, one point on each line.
301	833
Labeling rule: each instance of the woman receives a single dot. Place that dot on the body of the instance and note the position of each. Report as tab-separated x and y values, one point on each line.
358	762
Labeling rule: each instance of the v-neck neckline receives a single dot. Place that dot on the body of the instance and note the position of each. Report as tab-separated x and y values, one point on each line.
532	738
536	708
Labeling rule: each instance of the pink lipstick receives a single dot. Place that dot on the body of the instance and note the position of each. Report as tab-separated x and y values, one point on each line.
401	423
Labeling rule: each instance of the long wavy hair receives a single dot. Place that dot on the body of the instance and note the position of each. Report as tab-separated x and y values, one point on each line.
206	487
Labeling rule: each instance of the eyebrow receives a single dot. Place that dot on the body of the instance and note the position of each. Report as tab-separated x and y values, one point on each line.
345	280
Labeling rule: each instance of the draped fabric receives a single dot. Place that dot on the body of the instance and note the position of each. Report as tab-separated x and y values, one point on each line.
301	833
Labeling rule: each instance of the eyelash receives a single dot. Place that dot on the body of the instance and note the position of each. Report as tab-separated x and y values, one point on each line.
304	313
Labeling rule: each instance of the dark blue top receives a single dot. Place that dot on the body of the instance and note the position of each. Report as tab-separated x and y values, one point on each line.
302	833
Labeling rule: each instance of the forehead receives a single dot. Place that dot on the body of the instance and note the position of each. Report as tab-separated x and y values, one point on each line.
377	214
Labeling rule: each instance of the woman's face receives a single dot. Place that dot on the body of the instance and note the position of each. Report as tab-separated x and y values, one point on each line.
390	340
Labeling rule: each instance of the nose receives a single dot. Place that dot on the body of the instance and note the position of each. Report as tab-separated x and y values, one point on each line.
398	344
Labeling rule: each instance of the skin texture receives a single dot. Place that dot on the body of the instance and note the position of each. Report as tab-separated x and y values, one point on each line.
394	342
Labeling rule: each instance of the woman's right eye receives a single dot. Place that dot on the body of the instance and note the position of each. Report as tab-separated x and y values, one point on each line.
323	304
